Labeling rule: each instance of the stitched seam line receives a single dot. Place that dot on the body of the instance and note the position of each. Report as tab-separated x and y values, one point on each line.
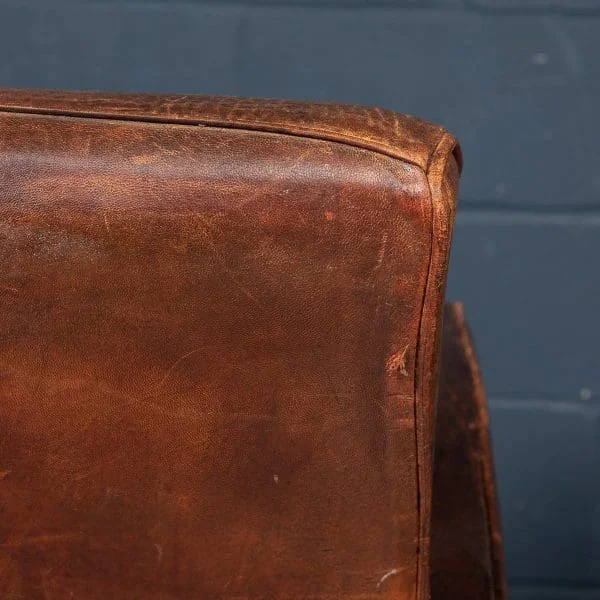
319	133
421	352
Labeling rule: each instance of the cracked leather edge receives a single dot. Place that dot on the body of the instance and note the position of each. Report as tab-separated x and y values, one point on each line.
387	132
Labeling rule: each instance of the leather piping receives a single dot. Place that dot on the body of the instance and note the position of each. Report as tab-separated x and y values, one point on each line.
436	168
365	141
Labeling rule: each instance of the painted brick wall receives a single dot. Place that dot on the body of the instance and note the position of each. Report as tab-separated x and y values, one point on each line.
519	82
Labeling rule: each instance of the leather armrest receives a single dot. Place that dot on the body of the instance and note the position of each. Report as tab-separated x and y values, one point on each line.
466	547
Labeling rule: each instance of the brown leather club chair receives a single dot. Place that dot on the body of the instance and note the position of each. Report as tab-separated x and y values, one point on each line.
220	345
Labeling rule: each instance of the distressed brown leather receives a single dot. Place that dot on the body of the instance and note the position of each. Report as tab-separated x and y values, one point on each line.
466	540
219	345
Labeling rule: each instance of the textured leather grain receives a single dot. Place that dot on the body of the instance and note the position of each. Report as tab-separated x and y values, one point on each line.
466	541
219	342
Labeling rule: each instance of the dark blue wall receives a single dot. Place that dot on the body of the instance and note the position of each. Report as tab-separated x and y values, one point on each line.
519	82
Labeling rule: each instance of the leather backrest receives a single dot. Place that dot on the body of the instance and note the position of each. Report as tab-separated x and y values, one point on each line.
218	343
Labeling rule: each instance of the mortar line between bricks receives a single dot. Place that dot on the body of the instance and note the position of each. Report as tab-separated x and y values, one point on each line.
468	7
520	216
486	10
281	5
363	5
583	584
476	204
587	409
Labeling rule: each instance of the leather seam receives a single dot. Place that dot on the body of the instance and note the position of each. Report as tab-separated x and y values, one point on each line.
317	133
448	139
417	377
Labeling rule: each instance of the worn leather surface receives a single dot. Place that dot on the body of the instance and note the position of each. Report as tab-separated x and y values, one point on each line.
466	542
401	136
219	340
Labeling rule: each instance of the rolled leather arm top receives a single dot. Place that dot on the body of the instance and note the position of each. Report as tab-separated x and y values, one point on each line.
219	344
